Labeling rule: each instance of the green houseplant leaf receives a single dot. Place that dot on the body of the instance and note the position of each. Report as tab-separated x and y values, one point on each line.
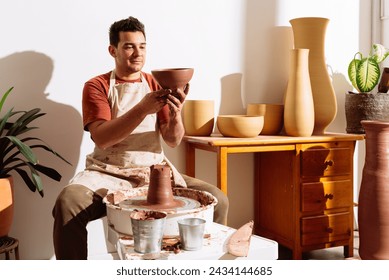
367	74
352	71
17	152
364	72
380	53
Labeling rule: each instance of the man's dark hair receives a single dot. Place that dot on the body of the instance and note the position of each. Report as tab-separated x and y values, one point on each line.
129	24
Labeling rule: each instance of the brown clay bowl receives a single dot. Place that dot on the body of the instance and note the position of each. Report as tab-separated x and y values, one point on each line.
173	78
240	126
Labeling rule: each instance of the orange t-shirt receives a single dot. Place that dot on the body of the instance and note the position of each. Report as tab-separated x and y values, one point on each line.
95	104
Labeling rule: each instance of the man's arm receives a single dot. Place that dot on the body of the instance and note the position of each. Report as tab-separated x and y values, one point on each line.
106	133
173	130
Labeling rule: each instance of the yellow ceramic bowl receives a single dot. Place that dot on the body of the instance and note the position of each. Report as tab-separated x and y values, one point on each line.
239	125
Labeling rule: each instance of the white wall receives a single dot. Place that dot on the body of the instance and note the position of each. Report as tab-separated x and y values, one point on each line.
239	49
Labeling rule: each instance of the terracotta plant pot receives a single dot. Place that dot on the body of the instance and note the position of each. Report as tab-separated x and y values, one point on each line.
173	78
198	117
273	116
6	205
239	125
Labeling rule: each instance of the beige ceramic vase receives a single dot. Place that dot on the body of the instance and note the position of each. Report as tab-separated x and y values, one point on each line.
373	206
299	115
309	33
198	117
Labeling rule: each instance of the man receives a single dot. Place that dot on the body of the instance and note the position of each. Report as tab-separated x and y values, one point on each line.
125	112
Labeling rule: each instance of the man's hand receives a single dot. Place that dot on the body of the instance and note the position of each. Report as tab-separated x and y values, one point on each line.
154	101
175	100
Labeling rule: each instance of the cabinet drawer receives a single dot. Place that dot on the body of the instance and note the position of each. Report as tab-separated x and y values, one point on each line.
326	228
320	196
321	161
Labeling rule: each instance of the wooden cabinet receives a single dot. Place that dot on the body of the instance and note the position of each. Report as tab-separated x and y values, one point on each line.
304	197
303	186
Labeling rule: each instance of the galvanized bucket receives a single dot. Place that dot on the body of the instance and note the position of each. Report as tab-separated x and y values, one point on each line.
147	229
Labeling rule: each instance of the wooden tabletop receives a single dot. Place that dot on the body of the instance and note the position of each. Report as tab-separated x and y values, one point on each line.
220	140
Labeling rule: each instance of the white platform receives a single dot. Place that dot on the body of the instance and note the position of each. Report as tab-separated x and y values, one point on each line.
214	247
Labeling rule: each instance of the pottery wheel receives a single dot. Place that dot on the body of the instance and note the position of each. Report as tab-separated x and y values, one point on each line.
140	203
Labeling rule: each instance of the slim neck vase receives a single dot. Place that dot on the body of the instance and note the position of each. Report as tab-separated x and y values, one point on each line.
373	206
309	33
299	112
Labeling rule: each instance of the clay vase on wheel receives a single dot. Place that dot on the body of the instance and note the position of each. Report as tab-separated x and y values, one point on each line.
373	209
160	193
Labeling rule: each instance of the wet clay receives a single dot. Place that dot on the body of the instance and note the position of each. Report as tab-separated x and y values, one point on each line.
144	215
160	193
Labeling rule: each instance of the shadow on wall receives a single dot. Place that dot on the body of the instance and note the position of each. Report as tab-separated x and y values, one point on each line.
341	86
231	102
61	128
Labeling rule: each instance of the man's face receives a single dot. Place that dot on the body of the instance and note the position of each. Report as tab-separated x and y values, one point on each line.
130	55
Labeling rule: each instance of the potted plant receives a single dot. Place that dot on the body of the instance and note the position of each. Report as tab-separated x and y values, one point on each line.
364	73
17	155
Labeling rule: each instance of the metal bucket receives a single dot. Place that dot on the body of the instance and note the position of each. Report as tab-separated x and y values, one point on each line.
191	233
147	229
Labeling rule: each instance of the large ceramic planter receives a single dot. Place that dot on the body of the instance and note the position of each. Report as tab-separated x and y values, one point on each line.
373	210
299	113
365	106
6	205
309	33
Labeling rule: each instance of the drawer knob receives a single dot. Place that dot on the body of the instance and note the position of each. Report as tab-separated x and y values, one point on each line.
328	163
329	230
329	196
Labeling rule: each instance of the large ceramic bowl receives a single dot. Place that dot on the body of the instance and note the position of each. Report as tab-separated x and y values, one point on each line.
173	78
273	116
239	125
118	212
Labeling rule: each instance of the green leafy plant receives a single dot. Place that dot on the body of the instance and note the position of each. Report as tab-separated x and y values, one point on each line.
364	72
17	150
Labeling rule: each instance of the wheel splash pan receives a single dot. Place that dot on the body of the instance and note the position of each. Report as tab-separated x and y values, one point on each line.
199	204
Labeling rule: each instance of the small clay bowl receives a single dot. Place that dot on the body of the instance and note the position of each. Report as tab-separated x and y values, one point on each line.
273	116
173	78
239	125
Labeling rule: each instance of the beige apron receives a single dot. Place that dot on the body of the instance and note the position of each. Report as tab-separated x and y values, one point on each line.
127	164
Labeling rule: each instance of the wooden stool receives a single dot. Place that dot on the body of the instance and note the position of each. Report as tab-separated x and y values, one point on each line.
7	245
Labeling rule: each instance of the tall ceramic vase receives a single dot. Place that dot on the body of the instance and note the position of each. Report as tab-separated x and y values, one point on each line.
373	209
309	33
198	117
299	115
